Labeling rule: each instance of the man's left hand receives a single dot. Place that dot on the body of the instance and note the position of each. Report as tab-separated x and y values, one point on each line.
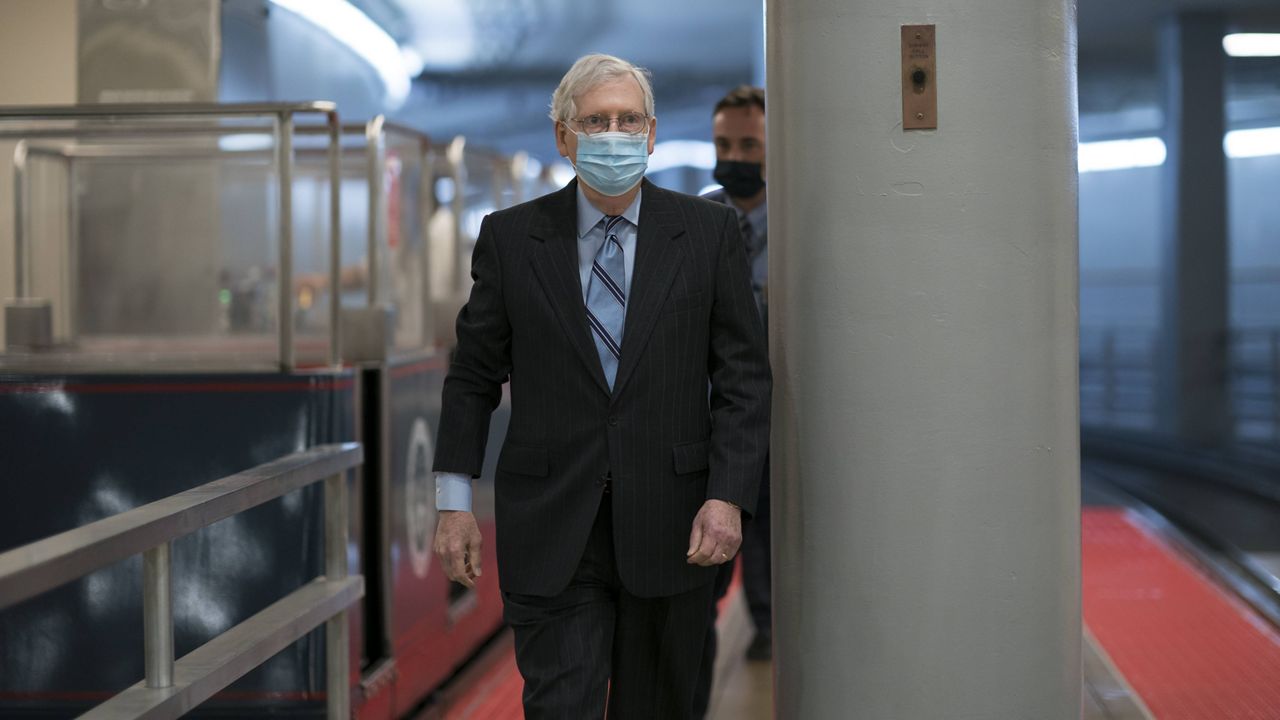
716	535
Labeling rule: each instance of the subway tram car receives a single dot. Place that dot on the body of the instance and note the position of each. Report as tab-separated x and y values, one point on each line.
203	289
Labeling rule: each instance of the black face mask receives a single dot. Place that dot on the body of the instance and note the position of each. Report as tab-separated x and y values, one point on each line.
740	179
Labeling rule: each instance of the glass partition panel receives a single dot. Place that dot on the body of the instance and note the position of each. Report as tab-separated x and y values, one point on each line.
483	190
447	261
311	218
157	241
478	196
402	234
382	210
459	186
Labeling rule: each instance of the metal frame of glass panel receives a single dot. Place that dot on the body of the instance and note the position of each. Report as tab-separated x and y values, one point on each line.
375	136
86	121
138	121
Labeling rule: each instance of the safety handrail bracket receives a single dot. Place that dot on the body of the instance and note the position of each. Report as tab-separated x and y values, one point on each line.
229	656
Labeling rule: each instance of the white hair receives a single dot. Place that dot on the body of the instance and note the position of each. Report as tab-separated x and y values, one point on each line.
587	73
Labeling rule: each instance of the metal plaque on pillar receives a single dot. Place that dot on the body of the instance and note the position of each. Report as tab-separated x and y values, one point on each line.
919	78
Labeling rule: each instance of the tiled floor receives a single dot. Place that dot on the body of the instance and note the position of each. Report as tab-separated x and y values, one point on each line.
742	690
1106	695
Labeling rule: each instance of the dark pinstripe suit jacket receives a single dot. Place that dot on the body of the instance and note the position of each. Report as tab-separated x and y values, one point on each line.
667	444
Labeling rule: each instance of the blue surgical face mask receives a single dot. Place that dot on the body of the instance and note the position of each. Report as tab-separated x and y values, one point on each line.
612	162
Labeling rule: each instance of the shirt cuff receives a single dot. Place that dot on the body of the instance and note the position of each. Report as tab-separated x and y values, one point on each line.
453	491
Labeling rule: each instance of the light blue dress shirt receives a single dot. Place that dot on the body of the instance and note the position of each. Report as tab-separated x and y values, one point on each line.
453	490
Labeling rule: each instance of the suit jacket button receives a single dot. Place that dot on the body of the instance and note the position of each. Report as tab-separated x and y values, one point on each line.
613	421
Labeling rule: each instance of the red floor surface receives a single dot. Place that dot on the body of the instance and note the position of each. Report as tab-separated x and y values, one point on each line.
496	695
1188	648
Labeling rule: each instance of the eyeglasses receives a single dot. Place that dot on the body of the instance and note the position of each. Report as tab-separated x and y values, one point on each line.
632	123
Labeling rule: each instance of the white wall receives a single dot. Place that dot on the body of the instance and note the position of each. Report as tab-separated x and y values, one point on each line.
37	67
37	52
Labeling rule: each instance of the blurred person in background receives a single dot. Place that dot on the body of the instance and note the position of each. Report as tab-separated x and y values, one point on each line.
738	131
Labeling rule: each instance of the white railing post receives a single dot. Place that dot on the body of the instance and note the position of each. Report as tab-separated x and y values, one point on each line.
157	616
337	631
284	295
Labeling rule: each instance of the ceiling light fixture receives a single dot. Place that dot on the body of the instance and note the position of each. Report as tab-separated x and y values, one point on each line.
346	24
1257	142
1151	151
1121	154
1252	44
444	32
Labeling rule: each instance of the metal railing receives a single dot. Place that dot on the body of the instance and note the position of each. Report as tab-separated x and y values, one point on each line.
83	140
282	115
451	161
1254	370
173	688
1119	375
376	132
367	148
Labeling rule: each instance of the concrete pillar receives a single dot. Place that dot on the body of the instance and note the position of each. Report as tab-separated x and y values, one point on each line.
758	63
923	303
1194	282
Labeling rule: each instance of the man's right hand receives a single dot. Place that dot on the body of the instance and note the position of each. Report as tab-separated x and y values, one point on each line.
458	545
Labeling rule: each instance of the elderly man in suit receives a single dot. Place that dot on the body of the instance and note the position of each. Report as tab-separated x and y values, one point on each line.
611	306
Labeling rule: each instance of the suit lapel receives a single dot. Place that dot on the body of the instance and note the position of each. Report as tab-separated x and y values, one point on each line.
555	262
658	258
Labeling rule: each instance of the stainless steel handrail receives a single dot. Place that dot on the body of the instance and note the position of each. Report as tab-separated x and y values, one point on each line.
132	110
282	116
137	131
377	151
142	152
455	155
20	252
171	689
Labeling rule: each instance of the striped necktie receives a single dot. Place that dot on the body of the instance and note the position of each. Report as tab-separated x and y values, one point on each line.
607	299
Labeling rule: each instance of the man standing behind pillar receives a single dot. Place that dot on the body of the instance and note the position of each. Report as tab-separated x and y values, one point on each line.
610	306
738	130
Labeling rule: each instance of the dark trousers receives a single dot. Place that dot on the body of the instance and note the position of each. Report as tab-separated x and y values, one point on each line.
595	643
757	576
